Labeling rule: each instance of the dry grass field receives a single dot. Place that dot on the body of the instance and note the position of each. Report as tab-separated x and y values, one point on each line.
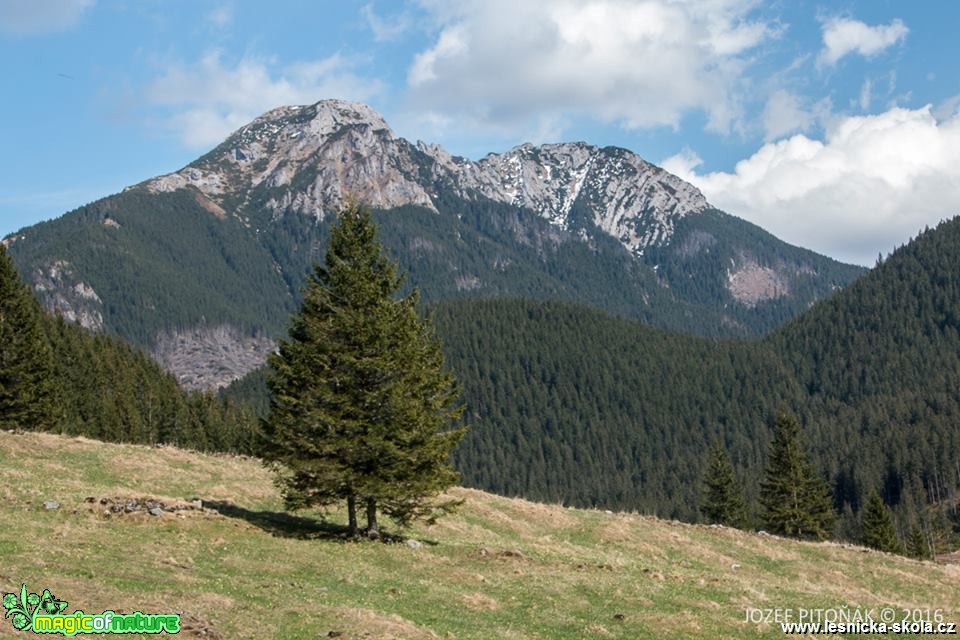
238	567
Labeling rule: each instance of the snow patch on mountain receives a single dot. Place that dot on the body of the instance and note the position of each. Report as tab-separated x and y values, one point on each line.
629	198
310	159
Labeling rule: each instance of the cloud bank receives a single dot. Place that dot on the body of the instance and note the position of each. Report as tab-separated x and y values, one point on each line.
504	63
873	182
36	17
207	101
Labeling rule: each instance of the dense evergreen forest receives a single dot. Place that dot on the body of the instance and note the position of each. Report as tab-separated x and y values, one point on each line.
57	376
569	404
109	390
163	262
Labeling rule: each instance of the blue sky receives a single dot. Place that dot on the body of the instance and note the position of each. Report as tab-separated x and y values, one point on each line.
832	124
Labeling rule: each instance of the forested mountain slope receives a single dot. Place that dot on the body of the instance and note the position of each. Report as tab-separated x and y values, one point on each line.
879	366
569	404
58	376
203	266
580	407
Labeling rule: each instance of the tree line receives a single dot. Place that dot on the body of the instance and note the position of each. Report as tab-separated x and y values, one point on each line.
56	376
796	501
568	404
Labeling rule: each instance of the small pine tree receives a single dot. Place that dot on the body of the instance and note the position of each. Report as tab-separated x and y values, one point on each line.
27	393
362	406
879	531
723	502
917	545
796	501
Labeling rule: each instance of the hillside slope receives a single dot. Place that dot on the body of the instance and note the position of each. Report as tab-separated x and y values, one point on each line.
203	265
569	404
501	568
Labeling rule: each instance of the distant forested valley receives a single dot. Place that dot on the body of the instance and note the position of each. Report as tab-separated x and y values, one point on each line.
569	404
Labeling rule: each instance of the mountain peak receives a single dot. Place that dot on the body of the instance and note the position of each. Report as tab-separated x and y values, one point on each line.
307	159
627	197
321	118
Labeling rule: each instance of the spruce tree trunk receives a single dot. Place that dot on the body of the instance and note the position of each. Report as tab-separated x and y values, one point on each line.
373	530
352	515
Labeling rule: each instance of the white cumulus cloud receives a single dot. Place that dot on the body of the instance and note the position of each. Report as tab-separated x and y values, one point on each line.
843	36
34	17
783	114
206	101
873	182
512	63
385	29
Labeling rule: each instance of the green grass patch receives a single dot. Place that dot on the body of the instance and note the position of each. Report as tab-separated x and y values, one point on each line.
500	568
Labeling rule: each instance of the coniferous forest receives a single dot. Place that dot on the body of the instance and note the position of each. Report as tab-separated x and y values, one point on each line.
626	414
569	404
60	377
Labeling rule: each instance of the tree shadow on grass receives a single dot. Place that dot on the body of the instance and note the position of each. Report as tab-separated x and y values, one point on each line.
286	525
281	524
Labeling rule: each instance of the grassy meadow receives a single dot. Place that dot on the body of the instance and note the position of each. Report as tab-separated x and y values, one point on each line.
239	567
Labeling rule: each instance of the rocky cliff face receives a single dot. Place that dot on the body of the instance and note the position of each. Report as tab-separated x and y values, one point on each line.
64	293
626	197
310	158
202	266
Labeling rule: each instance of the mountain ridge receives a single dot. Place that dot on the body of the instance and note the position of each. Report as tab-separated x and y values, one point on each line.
221	247
523	176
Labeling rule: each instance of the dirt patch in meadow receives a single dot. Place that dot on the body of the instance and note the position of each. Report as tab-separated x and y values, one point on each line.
480	602
527	519
193	625
364	623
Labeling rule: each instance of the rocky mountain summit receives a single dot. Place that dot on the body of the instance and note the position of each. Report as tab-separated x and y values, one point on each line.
310	158
202	267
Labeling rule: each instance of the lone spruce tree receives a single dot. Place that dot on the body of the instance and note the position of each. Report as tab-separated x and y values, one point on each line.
27	388
796	501
879	531
723	501
363	410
